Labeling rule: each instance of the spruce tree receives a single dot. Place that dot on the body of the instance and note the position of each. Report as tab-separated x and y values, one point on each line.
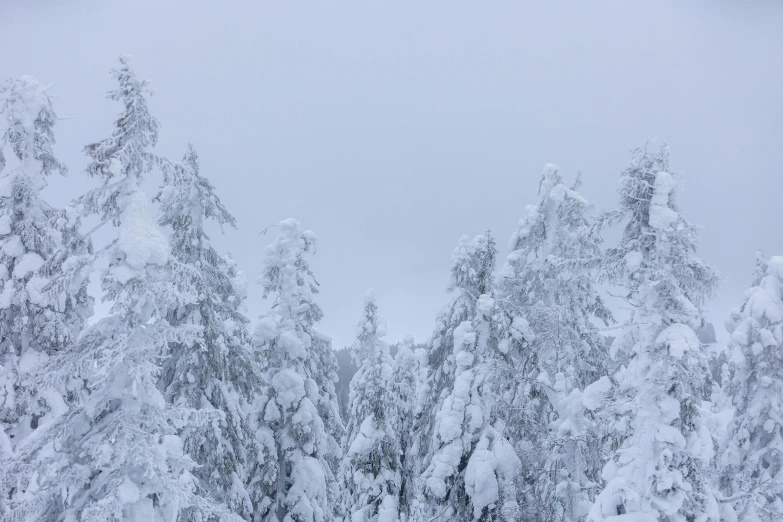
371	472
38	318
217	371
752	460
549	309
659	471
407	391
472	266
471	466
115	455
299	413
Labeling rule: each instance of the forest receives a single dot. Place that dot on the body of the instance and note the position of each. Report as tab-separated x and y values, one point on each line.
532	400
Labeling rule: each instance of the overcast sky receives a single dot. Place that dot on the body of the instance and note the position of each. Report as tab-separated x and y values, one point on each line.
391	128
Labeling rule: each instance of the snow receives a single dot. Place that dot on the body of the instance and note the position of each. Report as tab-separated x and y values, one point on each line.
5	224
35	290
633	260
140	239
30	360
595	394
661	215
289	387
388	510
12	246
29	262
366	439
481	483
678	338
128	492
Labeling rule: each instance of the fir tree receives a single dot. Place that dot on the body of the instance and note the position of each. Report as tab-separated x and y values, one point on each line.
473	263
217	371
300	412
113	453
659	471
37	320
471	468
407	391
371	468
549	306
752	460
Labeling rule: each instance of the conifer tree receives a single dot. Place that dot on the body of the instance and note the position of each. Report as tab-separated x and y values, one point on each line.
407	391
753	457
472	467
114	453
371	469
217	371
300	413
472	266
549	307
36	319
659	471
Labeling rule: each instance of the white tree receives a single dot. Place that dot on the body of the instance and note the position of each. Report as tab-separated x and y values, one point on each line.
472	266
659	471
113	454
408	394
471	467
549	309
218	370
300	411
371	473
753	457
35	240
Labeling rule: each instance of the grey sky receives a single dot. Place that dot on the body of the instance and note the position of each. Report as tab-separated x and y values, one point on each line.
391	128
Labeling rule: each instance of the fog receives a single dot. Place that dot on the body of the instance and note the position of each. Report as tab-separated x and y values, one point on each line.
390	129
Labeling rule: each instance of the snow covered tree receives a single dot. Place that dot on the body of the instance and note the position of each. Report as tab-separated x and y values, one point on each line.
300	411
122	161
572	454
470	465
549	308
217	371
109	450
35	239
659	471
472	267
752	460
408	393
371	473
548	280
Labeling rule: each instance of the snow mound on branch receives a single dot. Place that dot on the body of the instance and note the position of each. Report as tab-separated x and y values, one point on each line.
661	215
481	483
366	439
678	338
140	239
5	224
12	246
595	394
289	386
29	262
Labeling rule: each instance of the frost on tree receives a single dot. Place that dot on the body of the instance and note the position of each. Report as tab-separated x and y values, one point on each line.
549	310
659	471
407	395
113	454
122	161
371	468
37	318
300	412
472	266
751	462
471	467
217	371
